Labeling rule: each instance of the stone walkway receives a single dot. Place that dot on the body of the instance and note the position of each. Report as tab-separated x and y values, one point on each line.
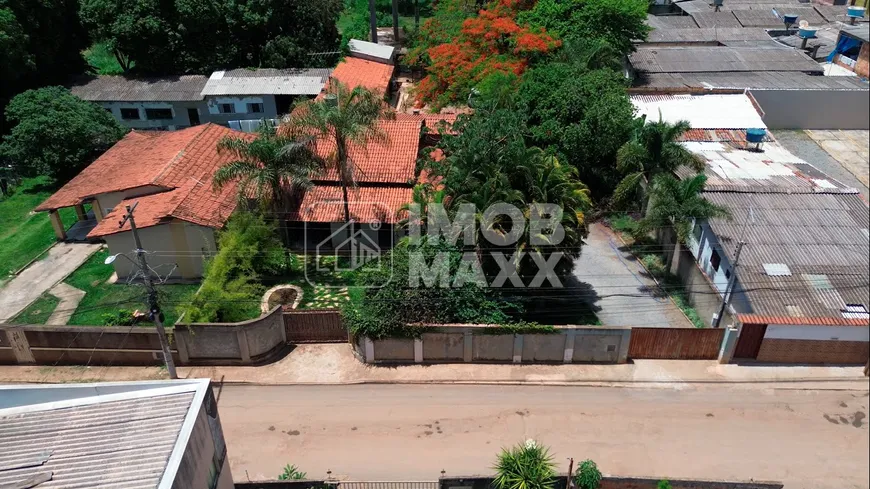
69	299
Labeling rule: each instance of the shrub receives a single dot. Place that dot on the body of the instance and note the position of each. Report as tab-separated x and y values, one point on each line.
663	484
587	475
525	466
291	472
122	317
654	264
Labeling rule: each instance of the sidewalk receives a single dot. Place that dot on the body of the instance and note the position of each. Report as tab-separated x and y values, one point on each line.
335	364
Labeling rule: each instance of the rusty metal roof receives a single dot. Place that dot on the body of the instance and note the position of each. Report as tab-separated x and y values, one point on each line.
109	435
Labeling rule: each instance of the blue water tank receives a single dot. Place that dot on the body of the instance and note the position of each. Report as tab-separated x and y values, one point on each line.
790	19
755	135
856	12
807	33
718	3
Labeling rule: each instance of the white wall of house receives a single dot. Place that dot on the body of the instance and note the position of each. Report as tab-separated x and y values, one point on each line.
824	333
174	243
180	115
702	247
241	108
110	200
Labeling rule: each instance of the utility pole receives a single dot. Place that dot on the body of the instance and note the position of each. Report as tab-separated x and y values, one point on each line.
728	288
395	22
373	21
153	306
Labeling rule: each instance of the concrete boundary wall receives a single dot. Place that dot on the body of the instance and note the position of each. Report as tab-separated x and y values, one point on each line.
615	482
465	343
814	109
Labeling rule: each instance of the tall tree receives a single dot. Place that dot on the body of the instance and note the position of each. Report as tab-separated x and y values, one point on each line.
56	133
653	150
678	204
344	117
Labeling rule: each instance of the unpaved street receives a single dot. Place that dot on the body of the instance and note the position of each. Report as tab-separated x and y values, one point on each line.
808	439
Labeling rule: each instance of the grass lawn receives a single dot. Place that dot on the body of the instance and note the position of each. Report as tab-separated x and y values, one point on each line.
102	60
25	234
38	312
102	298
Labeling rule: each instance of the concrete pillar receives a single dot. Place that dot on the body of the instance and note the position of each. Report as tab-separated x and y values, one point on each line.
57	224
729	343
418	350
243	345
518	348
20	346
624	343
369	350
98	210
180	337
569	345
468	352
81	215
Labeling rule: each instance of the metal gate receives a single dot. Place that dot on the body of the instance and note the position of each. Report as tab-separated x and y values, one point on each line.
749	341
675	343
314	326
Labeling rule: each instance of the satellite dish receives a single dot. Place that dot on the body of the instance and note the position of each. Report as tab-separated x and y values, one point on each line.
109	259
804	24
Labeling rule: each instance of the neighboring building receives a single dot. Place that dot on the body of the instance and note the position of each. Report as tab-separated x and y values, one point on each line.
853	49
373	75
800	289
159	434
169	175
705	59
148	103
371	51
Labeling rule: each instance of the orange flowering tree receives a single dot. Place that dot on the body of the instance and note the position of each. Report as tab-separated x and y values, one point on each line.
490	43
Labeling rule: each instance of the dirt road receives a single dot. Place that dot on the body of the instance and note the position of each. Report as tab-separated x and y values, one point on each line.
808	439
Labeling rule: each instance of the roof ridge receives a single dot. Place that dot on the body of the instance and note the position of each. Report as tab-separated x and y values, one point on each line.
181	153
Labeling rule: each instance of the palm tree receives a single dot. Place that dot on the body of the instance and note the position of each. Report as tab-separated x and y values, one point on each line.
654	149
587	55
424	194
678	204
525	466
342	118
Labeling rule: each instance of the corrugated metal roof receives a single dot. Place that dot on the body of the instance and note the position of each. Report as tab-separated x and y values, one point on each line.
716	19
670	22
825	46
123	444
266	81
123	89
371	50
858	31
753	80
834	13
764	17
812	234
707	34
716	59
702	111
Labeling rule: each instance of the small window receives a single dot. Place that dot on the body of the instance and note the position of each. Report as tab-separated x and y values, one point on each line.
715	260
727	273
157	114
227	108
255	108
130	114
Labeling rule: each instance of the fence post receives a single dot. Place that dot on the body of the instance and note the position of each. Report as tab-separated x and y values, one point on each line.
20	346
418	350
180	336
569	345
243	345
369	350
518	348
468	352
729	343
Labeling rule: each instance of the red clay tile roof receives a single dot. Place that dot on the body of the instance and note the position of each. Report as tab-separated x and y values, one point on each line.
432	122
181	162
393	161
323	203
810	321
355	72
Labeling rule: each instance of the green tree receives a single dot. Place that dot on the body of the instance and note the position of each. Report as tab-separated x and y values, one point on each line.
587	475
56	133
663	484
344	117
678	204
654	149
525	466
271	168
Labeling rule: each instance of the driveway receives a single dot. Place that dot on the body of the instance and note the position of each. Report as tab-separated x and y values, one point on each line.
61	260
622	285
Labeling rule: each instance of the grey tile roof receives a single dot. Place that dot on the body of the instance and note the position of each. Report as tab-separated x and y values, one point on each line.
717	59
122	444
670	22
812	234
833	13
753	80
707	35
764	17
123	89
858	31
267	81
716	19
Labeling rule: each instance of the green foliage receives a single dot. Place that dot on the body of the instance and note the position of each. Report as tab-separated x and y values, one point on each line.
443	27
102	60
663	484
654	265
618	22
587	475
678	203
180	36
521	327
386	310
525	466
247	249
38	311
291	472
56	133
121	317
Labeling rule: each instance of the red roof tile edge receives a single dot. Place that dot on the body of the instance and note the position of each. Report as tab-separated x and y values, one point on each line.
800	321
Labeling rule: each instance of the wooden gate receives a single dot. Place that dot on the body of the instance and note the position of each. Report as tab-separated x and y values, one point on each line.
749	342
314	326
675	343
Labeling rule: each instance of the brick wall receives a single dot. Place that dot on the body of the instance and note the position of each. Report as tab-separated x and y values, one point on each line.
813	351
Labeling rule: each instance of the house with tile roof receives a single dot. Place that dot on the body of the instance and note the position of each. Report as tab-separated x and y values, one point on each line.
169	175
800	291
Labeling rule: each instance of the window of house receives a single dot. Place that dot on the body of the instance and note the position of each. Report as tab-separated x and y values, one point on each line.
255	108
130	114
227	108
156	114
715	260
